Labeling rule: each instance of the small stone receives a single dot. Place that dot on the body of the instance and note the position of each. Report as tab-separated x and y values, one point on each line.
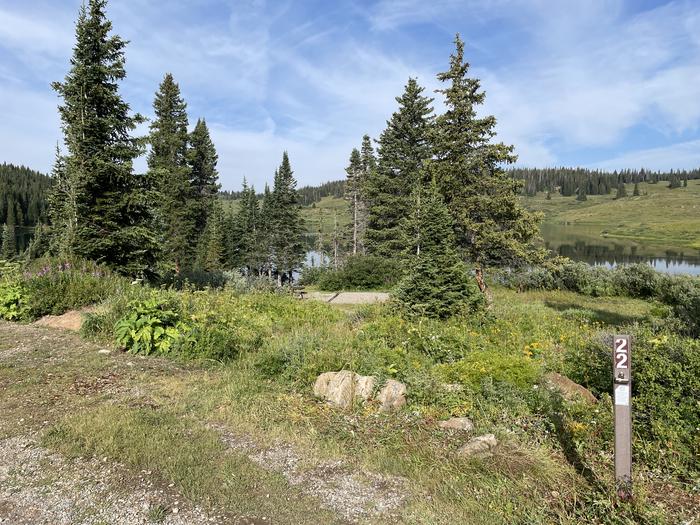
569	389
103	351
480	447
392	396
458	423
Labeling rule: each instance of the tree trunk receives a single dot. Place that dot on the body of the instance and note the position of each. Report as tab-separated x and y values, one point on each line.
484	287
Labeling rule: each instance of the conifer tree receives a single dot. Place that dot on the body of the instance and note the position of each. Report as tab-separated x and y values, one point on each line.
39	245
621	191
204	179
353	185
492	228
403	149
286	224
112	216
61	200
212	245
169	176
9	242
264	248
635	193
438	282
581	194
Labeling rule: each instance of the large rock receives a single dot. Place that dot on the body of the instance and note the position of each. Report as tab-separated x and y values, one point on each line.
392	396
568	389
364	387
480	447
342	388
458	423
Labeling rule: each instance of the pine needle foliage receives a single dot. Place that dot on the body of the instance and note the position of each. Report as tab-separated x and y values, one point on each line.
438	283
491	226
403	150
112	213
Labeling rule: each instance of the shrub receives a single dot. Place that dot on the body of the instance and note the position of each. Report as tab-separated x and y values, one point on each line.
61	287
516	370
13	300
665	382
636	280
152	325
439	286
361	272
682	294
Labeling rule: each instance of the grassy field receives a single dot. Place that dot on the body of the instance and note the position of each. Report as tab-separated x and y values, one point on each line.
203	428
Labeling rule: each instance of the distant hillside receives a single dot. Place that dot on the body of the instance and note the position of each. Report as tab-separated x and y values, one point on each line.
22	199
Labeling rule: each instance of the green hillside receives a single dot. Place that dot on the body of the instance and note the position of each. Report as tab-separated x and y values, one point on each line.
658	216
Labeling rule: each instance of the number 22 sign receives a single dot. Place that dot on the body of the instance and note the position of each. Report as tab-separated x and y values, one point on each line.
622	359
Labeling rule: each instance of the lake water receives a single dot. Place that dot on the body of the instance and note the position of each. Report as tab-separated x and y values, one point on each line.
584	243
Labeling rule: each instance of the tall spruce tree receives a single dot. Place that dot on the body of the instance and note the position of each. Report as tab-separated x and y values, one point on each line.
169	176
438	282
492	228
61	200
112	216
353	188
211	253
286	224
204	179
404	148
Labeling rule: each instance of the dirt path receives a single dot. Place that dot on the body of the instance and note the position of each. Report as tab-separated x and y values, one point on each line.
350	297
50	374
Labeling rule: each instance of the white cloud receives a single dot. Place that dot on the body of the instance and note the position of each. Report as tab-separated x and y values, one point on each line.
582	76
684	155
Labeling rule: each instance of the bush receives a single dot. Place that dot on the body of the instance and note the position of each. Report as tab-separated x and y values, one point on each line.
360	272
152	325
58	286
682	294
519	371
665	383
636	280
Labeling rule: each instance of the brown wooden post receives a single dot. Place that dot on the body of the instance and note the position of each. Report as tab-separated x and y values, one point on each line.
622	384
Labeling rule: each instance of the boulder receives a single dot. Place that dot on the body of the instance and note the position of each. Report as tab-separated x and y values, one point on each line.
480	447
458	423
568	389
392	396
364	387
342	388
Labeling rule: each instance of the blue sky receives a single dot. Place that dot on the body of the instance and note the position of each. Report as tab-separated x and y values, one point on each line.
608	84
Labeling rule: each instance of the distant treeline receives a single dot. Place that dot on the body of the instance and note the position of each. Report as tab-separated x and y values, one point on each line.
307	195
570	181
22	200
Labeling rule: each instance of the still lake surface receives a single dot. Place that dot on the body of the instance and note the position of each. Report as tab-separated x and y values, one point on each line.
585	243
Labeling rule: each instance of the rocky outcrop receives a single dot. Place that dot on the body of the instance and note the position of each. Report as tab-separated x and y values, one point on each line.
480	447
568	389
458	423
344	388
